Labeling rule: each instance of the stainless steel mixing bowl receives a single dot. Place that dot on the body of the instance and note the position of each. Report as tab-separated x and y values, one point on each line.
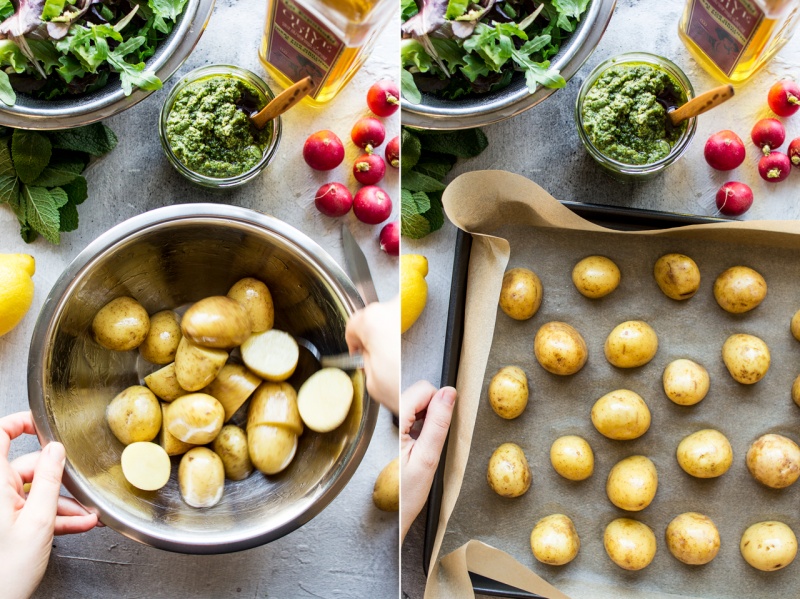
479	110
167	258
74	111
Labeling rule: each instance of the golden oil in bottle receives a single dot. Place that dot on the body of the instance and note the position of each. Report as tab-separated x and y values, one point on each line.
327	40
732	39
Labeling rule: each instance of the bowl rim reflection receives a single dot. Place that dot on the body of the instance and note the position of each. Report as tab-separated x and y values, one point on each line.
46	328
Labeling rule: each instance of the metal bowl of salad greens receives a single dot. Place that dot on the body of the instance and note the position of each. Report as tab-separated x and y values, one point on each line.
67	63
469	63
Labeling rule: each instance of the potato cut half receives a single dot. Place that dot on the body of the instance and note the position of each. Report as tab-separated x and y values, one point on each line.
324	399
272	355
232	387
146	465
164	384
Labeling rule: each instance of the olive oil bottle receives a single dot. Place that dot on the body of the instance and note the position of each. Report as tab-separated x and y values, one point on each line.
327	40
732	39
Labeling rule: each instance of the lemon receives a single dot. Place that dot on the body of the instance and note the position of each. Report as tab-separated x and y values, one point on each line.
16	289
413	289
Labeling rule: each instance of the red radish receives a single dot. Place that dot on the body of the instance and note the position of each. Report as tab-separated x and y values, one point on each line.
383	98
333	199
368	133
372	205
390	239
323	150
774	167
369	169
393	152
724	151
794	152
784	97
768	134
734	198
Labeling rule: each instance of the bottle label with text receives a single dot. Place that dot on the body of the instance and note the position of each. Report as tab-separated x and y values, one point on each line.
300	45
723	29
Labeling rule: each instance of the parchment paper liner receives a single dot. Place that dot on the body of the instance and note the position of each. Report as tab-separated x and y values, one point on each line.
483	202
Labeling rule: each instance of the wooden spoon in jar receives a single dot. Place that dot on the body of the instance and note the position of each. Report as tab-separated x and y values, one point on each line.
282	102
702	103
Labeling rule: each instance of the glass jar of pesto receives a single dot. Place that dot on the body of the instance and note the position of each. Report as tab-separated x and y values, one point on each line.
205	128
621	115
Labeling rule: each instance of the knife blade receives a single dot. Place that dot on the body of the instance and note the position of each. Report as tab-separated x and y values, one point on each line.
357	268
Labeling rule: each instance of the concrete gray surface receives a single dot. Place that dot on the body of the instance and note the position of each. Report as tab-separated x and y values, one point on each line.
542	144
350	549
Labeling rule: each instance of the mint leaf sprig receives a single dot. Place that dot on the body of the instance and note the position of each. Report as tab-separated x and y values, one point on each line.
41	176
425	160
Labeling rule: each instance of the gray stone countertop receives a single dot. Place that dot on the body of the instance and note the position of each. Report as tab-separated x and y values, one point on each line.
350	549
542	144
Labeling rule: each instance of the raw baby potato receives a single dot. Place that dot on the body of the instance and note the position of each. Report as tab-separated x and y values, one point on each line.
275	404
554	540
232	387
686	383
164	383
572	457
739	289
706	453
134	415
197	366
508	392
256	299
630	544
161	343
324	399
145	465
746	357
195	418
795	325
693	538
508	473
218	322
621	415
595	276
272	355
559	348
171	444
677	276
521	293
271	448
386	493
632	483
201	477
121	325
231	447
768	546
774	461
796	391
631	344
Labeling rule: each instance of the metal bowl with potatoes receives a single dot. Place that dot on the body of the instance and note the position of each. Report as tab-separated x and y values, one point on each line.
168	259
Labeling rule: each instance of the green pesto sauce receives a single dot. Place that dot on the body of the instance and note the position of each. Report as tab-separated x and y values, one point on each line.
623	117
210	134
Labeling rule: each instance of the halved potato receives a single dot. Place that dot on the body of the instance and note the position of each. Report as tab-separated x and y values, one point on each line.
164	383
146	465
196	366
272	355
324	399
171	444
232	387
275	404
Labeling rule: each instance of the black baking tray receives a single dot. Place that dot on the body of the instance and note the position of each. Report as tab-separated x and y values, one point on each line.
612	217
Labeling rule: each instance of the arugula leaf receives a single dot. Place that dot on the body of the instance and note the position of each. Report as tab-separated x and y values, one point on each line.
408	8
133	75
96	139
52	9
538	73
409	88
30	152
450	52
41	210
164	10
571	8
456	8
7	94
